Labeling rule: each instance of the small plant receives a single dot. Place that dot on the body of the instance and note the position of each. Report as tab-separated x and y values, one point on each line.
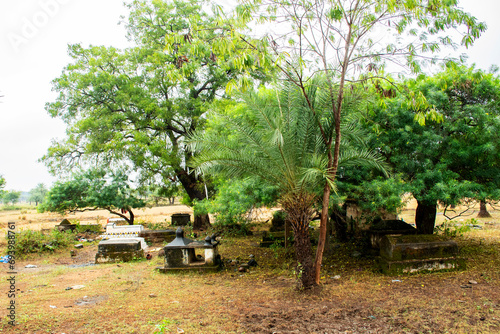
454	229
164	326
93	228
29	241
153	226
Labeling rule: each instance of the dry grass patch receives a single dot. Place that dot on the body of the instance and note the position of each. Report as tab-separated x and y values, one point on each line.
353	297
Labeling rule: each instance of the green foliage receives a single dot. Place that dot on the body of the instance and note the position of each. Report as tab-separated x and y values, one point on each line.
79	228
453	229
38	193
166	326
11	197
92	190
28	241
235	199
138	105
446	160
371	191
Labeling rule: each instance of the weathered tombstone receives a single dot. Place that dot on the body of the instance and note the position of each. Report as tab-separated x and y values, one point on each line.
65	225
359	220
122	231
271	238
386	227
181	219
120	250
402	254
180	254
278	221
157	235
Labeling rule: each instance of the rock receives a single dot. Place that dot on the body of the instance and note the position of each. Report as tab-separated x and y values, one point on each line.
252	263
472	282
52	306
336	277
152	295
79	246
30	266
77	287
242	269
356	254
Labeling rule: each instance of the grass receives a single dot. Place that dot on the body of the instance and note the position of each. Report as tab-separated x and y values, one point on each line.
134	298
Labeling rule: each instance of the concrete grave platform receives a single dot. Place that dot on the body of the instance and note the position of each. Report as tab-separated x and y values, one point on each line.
387	227
181	219
120	250
157	235
402	254
114	231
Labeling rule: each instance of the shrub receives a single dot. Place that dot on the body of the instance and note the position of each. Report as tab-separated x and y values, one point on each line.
235	199
95	228
28	241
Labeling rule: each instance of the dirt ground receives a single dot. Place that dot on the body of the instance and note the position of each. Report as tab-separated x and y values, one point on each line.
353	297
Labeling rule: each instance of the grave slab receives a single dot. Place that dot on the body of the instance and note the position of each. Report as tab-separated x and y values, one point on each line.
401	254
120	250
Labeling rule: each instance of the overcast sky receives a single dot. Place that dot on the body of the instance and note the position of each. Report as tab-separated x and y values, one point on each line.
34	35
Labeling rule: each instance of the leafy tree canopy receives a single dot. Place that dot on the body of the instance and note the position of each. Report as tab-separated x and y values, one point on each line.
275	140
38	193
11	197
93	190
139	104
451	158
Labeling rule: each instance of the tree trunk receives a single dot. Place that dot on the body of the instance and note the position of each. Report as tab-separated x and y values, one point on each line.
195	190
300	210
425	217
132	217
201	222
322	234
303	253
483	212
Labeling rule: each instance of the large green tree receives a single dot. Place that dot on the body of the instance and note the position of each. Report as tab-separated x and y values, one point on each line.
137	105
350	41
11	197
452	157
38	193
276	140
94	190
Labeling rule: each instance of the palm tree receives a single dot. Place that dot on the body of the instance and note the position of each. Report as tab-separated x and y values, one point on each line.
277	140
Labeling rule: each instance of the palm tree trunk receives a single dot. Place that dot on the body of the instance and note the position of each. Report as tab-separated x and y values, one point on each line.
303	253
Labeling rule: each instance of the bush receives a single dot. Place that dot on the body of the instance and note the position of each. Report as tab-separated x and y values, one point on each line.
96	228
235	199
28	241
454	229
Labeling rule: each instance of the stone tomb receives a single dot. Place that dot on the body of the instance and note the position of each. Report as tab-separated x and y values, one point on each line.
181	219
385	227
180	254
122	231
403	254
120	250
65	225
157	235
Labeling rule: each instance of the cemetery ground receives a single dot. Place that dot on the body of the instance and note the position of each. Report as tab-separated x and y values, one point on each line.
353	297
